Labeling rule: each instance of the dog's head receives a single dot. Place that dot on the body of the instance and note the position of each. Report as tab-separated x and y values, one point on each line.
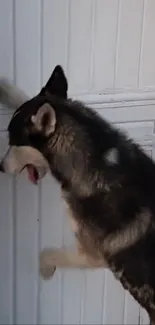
31	126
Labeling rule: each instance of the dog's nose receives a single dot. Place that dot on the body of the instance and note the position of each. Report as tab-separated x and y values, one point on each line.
1	168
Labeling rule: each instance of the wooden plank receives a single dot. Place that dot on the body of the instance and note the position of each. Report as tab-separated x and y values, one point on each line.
128	44
113	300
105	44
26	245
27	45
93	300
73	291
6	39
80	44
6	189
131	310
147	68
144	318
50	300
27	76
6	251
55	35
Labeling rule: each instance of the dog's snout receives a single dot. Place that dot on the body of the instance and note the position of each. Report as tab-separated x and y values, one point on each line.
1	168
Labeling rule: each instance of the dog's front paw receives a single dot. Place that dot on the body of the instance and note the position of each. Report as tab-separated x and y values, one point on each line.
47	266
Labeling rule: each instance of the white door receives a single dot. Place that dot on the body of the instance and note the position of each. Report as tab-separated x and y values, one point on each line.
106	51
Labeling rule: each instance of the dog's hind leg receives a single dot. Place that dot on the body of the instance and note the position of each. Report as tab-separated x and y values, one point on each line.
52	258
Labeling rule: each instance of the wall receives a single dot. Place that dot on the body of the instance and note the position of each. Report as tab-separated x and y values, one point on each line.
107	50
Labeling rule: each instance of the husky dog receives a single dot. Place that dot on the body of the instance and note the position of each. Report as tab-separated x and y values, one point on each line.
107	181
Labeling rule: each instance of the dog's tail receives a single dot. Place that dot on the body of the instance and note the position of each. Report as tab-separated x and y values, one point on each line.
10	95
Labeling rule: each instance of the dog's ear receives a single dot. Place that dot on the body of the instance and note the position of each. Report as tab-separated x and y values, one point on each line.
57	84
45	119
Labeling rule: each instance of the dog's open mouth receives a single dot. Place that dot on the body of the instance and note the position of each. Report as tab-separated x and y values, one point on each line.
34	173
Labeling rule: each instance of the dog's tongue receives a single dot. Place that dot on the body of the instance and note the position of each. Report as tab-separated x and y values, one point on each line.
32	174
